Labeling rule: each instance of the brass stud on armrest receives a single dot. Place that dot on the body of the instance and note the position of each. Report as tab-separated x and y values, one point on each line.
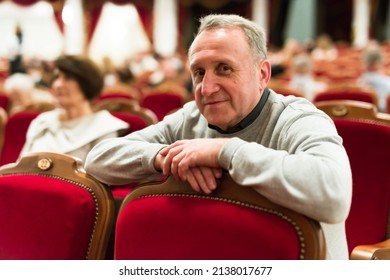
44	164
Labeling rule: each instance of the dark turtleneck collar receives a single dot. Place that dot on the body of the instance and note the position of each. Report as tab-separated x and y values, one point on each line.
248	119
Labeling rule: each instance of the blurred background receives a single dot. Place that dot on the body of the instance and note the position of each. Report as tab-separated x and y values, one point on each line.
119	29
150	38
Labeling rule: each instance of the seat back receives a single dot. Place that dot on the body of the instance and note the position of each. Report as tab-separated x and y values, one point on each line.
367	145
15	135
123	106
340	93
135	122
114	95
50	209
162	103
168	220
351	109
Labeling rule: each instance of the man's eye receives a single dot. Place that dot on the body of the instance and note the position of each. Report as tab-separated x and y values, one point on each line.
199	73
225	69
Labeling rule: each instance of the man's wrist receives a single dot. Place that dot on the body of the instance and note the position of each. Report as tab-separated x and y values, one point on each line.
158	162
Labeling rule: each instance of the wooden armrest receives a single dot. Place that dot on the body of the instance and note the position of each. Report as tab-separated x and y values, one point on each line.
378	251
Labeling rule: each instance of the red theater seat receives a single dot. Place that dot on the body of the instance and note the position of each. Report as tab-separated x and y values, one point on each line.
167	220
345	93
50	209
367	144
162	103
15	135
351	109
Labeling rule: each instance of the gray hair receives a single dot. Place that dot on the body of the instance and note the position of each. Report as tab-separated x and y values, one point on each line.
373	56
254	33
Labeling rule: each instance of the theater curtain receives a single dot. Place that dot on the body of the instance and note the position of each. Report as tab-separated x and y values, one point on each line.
56	4
144	8
118	34
41	33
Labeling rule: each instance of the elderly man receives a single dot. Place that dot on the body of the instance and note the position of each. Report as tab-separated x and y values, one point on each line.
283	147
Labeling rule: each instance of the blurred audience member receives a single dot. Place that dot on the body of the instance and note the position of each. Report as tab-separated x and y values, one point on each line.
37	69
324	48
302	77
73	128
169	77
281	58
22	91
374	76
121	80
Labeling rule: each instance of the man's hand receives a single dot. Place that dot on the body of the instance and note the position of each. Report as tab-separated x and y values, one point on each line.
193	161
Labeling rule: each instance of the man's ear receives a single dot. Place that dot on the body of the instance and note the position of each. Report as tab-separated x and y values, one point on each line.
265	73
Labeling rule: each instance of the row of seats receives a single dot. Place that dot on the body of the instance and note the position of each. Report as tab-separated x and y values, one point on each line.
51	209
13	127
366	138
336	92
172	210
160	103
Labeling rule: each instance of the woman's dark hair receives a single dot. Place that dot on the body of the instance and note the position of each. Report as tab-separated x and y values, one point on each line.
84	71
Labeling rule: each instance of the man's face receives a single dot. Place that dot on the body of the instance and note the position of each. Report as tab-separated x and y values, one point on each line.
228	83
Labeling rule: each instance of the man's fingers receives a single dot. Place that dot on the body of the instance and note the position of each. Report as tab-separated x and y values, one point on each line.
192	181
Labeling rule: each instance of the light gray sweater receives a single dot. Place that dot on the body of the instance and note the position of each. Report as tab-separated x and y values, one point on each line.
291	154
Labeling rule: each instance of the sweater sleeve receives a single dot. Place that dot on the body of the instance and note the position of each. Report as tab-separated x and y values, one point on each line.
123	160
308	170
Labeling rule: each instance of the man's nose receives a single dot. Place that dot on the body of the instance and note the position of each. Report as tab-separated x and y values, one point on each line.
210	84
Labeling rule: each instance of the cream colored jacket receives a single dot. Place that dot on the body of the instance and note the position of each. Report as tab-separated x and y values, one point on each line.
47	133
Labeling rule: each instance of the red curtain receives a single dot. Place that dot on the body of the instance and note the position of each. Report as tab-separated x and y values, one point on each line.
24	2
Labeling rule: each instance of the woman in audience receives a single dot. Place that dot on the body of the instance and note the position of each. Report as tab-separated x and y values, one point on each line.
73	128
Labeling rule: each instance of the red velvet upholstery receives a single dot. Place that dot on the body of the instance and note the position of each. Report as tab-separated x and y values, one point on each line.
35	213
187	221
109	95
124	107
120	191
181	225
15	135
50	209
367	145
162	103
345	95
135	122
